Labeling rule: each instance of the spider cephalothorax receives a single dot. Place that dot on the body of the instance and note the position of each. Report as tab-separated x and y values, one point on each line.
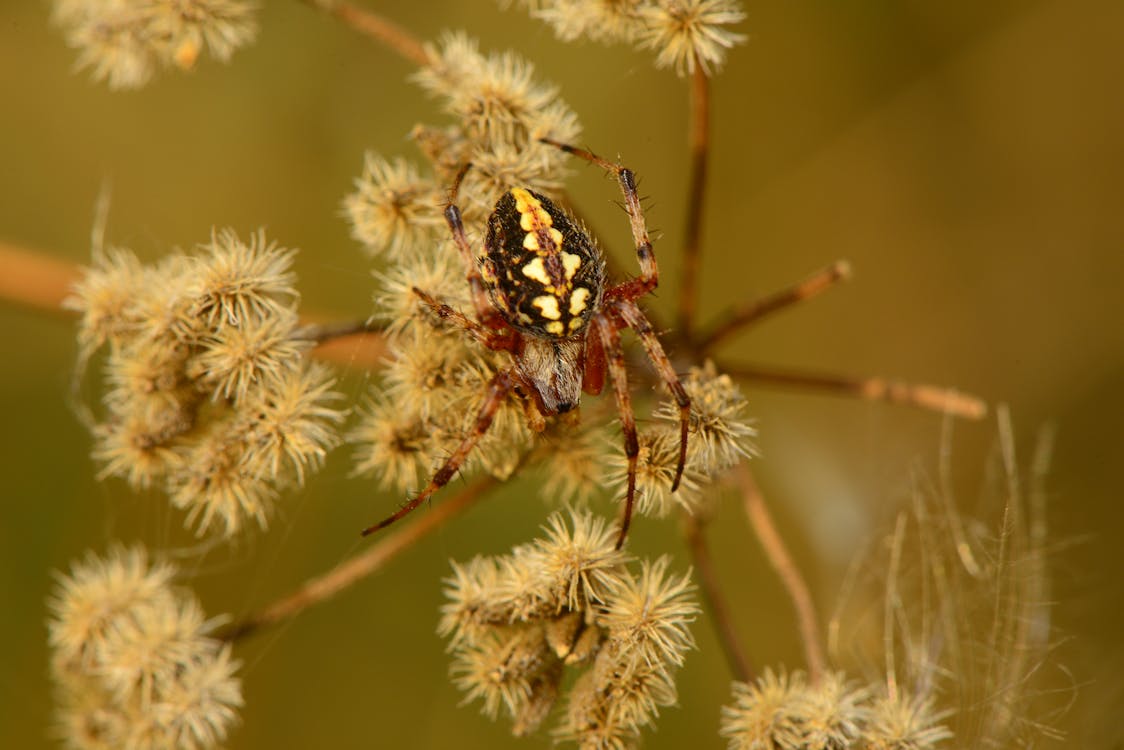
540	294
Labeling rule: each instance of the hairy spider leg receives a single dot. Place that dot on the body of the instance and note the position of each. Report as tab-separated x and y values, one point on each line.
484	310
625	294
498	389
614	359
631	313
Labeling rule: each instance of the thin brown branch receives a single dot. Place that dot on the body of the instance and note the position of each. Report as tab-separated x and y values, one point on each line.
762	523
322	333
746	314
35	280
736	656
374	558
374	26
932	397
39	282
699	144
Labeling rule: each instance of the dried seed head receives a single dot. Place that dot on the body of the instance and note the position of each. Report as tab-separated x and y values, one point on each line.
396	446
133	662
237	359
474	602
393	210
600	20
295	420
721	433
655	473
104	296
904	722
439	274
581	562
240	283
766	714
691	33
139	448
124	42
503	668
647	616
216	483
97	592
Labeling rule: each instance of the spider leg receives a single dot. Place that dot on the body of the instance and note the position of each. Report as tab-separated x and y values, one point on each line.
497	391
610	337
495	340
631	313
484	309
649	272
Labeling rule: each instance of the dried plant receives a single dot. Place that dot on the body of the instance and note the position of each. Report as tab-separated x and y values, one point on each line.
209	392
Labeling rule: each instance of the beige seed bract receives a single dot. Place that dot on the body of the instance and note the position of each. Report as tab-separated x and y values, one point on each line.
570	599
133	660
124	42
208	390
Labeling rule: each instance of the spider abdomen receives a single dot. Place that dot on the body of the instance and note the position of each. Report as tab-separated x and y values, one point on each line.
544	273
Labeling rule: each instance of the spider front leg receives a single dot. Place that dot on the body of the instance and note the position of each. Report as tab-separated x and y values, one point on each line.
484	310
496	340
610	336
649	277
498	389
631	313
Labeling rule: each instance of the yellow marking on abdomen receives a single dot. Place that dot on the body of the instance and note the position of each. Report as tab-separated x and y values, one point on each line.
578	300
548	305
531	213
570	262
555	328
536	271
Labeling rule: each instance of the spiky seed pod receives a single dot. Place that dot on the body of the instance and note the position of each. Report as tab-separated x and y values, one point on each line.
103	298
606	21
655	472
240	282
294	421
92	596
905	722
439	274
216	484
721	432
133	662
503	668
766	714
124	42
581	562
834	713
234	360
690	33
648	615
139	448
395	446
393	209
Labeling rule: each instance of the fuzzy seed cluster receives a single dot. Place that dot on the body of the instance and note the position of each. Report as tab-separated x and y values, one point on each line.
207	392
783	711
124	42
570	600
685	34
133	661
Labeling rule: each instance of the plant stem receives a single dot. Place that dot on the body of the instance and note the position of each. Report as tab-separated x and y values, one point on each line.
773	544
346	574
35	280
699	145
931	397
736	657
745	314
374	26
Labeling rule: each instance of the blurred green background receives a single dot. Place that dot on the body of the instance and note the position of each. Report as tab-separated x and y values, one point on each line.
968	158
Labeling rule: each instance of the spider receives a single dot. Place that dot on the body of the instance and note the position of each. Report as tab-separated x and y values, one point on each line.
540	293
